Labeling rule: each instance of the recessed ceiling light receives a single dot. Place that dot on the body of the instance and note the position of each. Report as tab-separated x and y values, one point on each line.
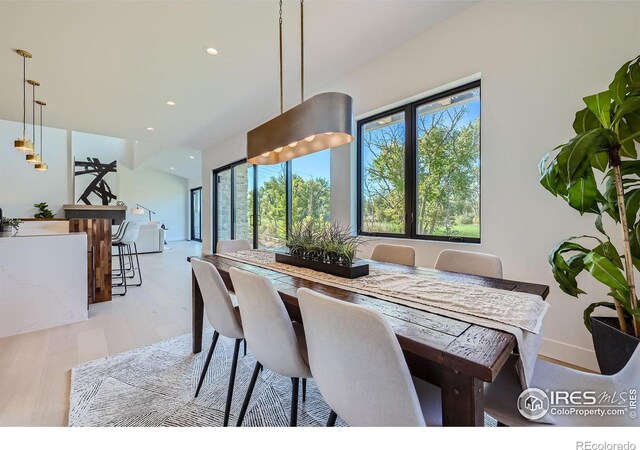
172	168
170	103
211	50
151	129
192	157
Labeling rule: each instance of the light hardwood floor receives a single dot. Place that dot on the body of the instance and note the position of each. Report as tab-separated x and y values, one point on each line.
35	375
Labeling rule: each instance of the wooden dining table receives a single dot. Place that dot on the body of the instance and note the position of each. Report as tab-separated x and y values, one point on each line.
457	356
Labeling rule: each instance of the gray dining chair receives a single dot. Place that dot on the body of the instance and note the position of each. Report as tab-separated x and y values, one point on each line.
501	396
359	367
395	254
223	316
234	245
276	342
472	263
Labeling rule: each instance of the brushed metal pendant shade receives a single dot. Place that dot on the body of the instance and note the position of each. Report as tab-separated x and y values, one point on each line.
322	122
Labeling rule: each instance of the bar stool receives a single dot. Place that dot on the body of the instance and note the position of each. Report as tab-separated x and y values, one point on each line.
123	244
116	237
275	341
223	317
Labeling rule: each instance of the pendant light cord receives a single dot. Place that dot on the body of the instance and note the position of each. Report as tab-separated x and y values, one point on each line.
33	115
280	42
41	141
301	51
24	97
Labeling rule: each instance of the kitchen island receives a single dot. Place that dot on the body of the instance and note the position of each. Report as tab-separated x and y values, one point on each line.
43	282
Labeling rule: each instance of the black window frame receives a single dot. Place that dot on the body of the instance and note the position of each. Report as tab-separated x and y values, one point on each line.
193	190
411	168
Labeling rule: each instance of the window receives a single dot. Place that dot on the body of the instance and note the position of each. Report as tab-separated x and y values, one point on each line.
419	169
272	205
310	188
263	201
196	214
383	176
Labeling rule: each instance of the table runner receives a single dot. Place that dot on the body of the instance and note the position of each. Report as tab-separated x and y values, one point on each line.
517	313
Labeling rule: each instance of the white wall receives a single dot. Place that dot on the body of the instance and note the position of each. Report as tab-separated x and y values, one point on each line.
20	185
166	194
537	60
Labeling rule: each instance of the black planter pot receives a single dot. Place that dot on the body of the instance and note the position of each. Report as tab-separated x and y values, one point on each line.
355	270
613	347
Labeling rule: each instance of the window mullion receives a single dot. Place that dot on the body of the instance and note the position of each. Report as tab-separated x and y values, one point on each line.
410	172
288	196
255	206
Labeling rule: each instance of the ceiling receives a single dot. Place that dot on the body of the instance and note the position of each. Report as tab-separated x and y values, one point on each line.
107	67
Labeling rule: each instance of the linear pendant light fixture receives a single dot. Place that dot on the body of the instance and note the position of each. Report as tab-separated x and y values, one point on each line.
319	123
33	158
41	166
23	144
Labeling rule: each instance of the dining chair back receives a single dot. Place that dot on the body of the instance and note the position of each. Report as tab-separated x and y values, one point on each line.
267	325
396	254
217	302
234	245
357	363
471	263
223	317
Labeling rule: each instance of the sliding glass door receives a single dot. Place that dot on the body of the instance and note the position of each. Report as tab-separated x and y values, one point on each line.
233	203
261	203
196	214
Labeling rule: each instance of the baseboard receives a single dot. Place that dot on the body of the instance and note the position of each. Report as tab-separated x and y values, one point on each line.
577	356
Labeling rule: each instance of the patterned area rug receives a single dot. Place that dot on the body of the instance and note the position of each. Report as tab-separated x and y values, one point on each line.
154	386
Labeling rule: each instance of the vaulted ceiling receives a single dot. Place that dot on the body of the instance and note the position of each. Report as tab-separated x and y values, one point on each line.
107	67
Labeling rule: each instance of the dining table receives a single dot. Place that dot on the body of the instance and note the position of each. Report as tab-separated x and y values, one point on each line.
458	356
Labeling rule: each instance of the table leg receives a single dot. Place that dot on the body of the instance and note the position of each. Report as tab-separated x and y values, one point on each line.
197	314
462	399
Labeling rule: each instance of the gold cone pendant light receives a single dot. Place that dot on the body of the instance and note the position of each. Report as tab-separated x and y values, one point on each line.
41	166
322	122
23	144
33	158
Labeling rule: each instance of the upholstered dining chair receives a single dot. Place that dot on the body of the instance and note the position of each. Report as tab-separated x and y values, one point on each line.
234	245
501	396
276	342
359	367
223	316
471	263
396	254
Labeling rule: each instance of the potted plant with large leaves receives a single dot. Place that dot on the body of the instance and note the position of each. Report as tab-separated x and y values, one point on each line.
598	172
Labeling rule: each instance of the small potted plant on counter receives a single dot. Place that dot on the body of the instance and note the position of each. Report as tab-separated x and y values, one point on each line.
10	227
607	133
44	211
